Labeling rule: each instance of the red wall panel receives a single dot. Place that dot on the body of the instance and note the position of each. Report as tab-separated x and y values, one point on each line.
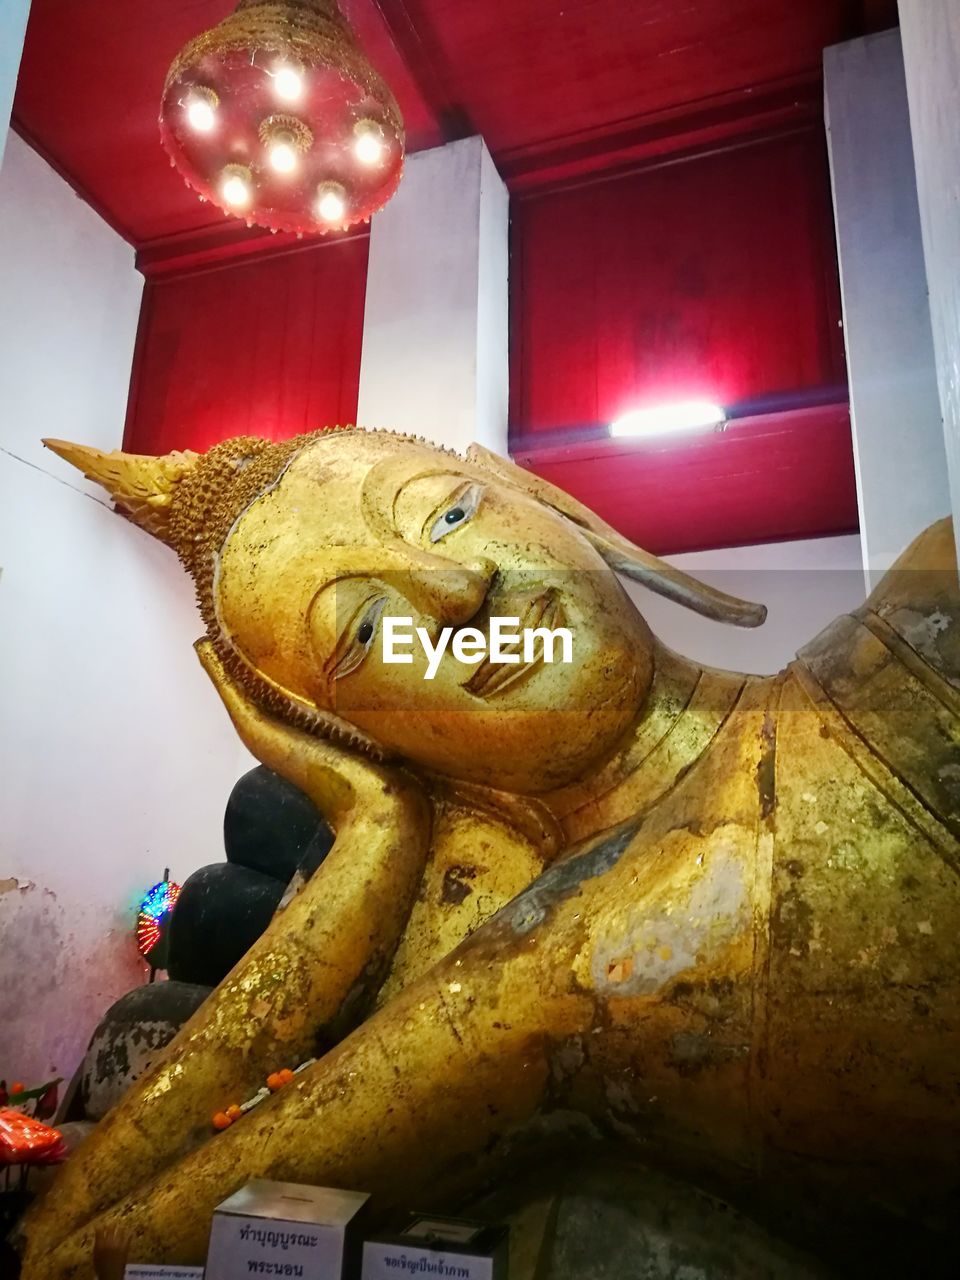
712	277
764	479
270	348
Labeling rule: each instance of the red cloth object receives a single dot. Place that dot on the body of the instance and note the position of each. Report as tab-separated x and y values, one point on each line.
24	1140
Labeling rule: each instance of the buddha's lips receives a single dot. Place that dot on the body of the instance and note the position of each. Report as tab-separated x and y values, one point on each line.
544	610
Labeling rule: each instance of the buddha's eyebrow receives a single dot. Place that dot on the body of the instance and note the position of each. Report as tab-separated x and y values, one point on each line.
351	573
382	486
390	561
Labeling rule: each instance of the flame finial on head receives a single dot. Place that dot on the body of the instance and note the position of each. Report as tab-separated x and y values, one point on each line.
141	485
187	500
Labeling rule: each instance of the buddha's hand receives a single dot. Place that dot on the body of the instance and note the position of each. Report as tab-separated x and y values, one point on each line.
313	761
368	882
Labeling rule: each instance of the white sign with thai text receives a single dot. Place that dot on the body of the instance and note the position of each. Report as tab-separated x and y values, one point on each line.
400	1262
258	1247
147	1271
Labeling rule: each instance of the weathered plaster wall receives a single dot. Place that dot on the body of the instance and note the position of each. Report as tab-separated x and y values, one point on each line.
116	758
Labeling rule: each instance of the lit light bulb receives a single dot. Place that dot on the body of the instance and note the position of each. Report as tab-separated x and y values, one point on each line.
331	202
235	187
663	419
202	110
236	191
286	139
369	144
201	116
288	84
283	157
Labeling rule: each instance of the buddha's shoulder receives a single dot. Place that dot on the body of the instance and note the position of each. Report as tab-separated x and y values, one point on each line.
919	600
932	551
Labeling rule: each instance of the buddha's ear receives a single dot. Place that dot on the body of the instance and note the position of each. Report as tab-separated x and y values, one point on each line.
620	554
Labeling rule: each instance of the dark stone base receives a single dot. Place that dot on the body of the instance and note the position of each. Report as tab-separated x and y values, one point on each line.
606	1218
221	912
130	1037
270	826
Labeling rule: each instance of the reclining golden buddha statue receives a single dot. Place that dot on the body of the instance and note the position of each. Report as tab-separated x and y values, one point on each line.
716	915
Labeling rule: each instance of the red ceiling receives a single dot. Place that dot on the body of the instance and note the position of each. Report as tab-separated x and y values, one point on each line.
533	76
536	71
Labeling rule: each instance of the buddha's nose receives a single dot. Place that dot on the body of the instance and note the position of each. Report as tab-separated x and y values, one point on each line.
452	593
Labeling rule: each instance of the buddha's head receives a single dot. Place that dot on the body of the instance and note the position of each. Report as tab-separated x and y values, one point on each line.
303	551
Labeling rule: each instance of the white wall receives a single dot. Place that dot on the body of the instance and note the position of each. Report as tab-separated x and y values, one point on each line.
116	757
805	585
13	24
895	407
931	50
435	331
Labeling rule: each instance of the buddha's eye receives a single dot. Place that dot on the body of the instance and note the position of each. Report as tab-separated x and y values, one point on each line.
458	513
358	638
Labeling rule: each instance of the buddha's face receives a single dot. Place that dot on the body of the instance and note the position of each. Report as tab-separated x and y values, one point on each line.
364	528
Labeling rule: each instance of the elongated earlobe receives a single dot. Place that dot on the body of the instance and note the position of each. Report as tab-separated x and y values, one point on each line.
673	584
622	555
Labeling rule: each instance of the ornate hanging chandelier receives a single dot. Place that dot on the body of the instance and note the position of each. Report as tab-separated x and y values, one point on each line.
276	116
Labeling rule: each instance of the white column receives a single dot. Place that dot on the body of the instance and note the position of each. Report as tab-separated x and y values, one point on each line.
435	336
13	26
895	407
931	50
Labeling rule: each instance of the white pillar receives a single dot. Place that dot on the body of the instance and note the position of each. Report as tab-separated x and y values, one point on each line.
931	51
13	26
435	334
895	407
